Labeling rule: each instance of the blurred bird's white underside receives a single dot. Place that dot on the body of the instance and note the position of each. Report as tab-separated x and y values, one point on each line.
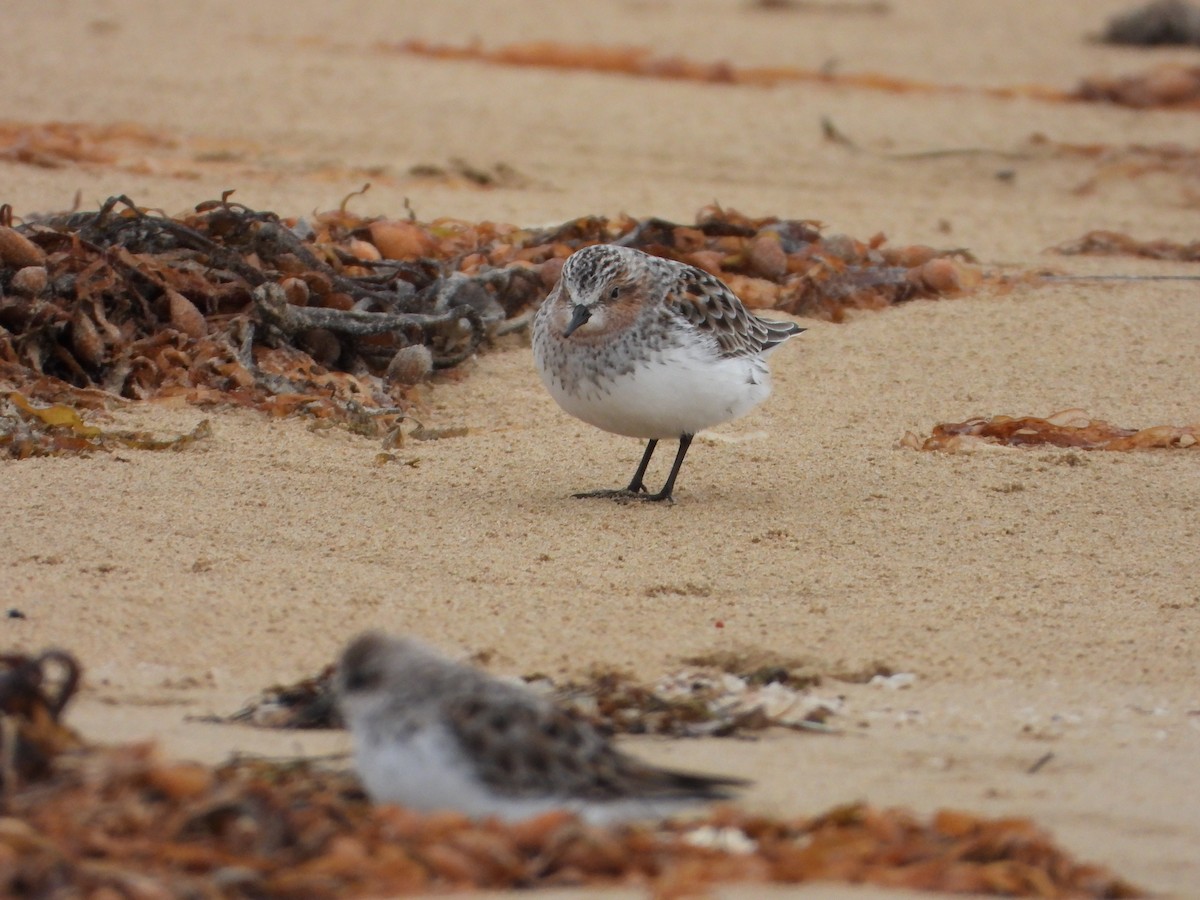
427	771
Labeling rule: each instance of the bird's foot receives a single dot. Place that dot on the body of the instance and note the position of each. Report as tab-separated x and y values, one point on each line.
626	495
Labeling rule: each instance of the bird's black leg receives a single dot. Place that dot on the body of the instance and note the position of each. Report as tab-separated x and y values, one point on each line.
636	487
685	441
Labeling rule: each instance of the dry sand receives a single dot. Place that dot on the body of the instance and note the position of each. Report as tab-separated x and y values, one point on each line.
1046	600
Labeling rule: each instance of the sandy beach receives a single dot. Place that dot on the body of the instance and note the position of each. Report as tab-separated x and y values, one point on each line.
1045	600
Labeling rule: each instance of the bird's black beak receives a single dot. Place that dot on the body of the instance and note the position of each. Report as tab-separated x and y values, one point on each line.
578	316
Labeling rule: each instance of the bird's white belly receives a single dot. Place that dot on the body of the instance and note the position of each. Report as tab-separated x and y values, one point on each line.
426	771
679	393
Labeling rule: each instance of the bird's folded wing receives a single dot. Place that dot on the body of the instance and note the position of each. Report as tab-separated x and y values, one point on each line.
707	302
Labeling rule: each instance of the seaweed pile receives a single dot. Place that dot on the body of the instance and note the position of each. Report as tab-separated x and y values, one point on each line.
84	820
337	315
693	702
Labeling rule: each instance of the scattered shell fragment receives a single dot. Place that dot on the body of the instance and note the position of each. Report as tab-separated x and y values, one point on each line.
86	340
296	291
727	840
18	251
184	315
401	240
766	257
895	682
30	280
411	364
730	699
363	250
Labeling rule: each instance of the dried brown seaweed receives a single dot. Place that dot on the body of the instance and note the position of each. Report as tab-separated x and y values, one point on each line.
136	150
27	430
141	305
642	62
123	821
838	7
1125	161
34	691
52	145
1168	85
1068	428
307	703
1114	243
341	314
1113	161
698	701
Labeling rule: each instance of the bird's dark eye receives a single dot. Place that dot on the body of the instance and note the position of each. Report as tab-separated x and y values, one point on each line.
614	293
361	678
